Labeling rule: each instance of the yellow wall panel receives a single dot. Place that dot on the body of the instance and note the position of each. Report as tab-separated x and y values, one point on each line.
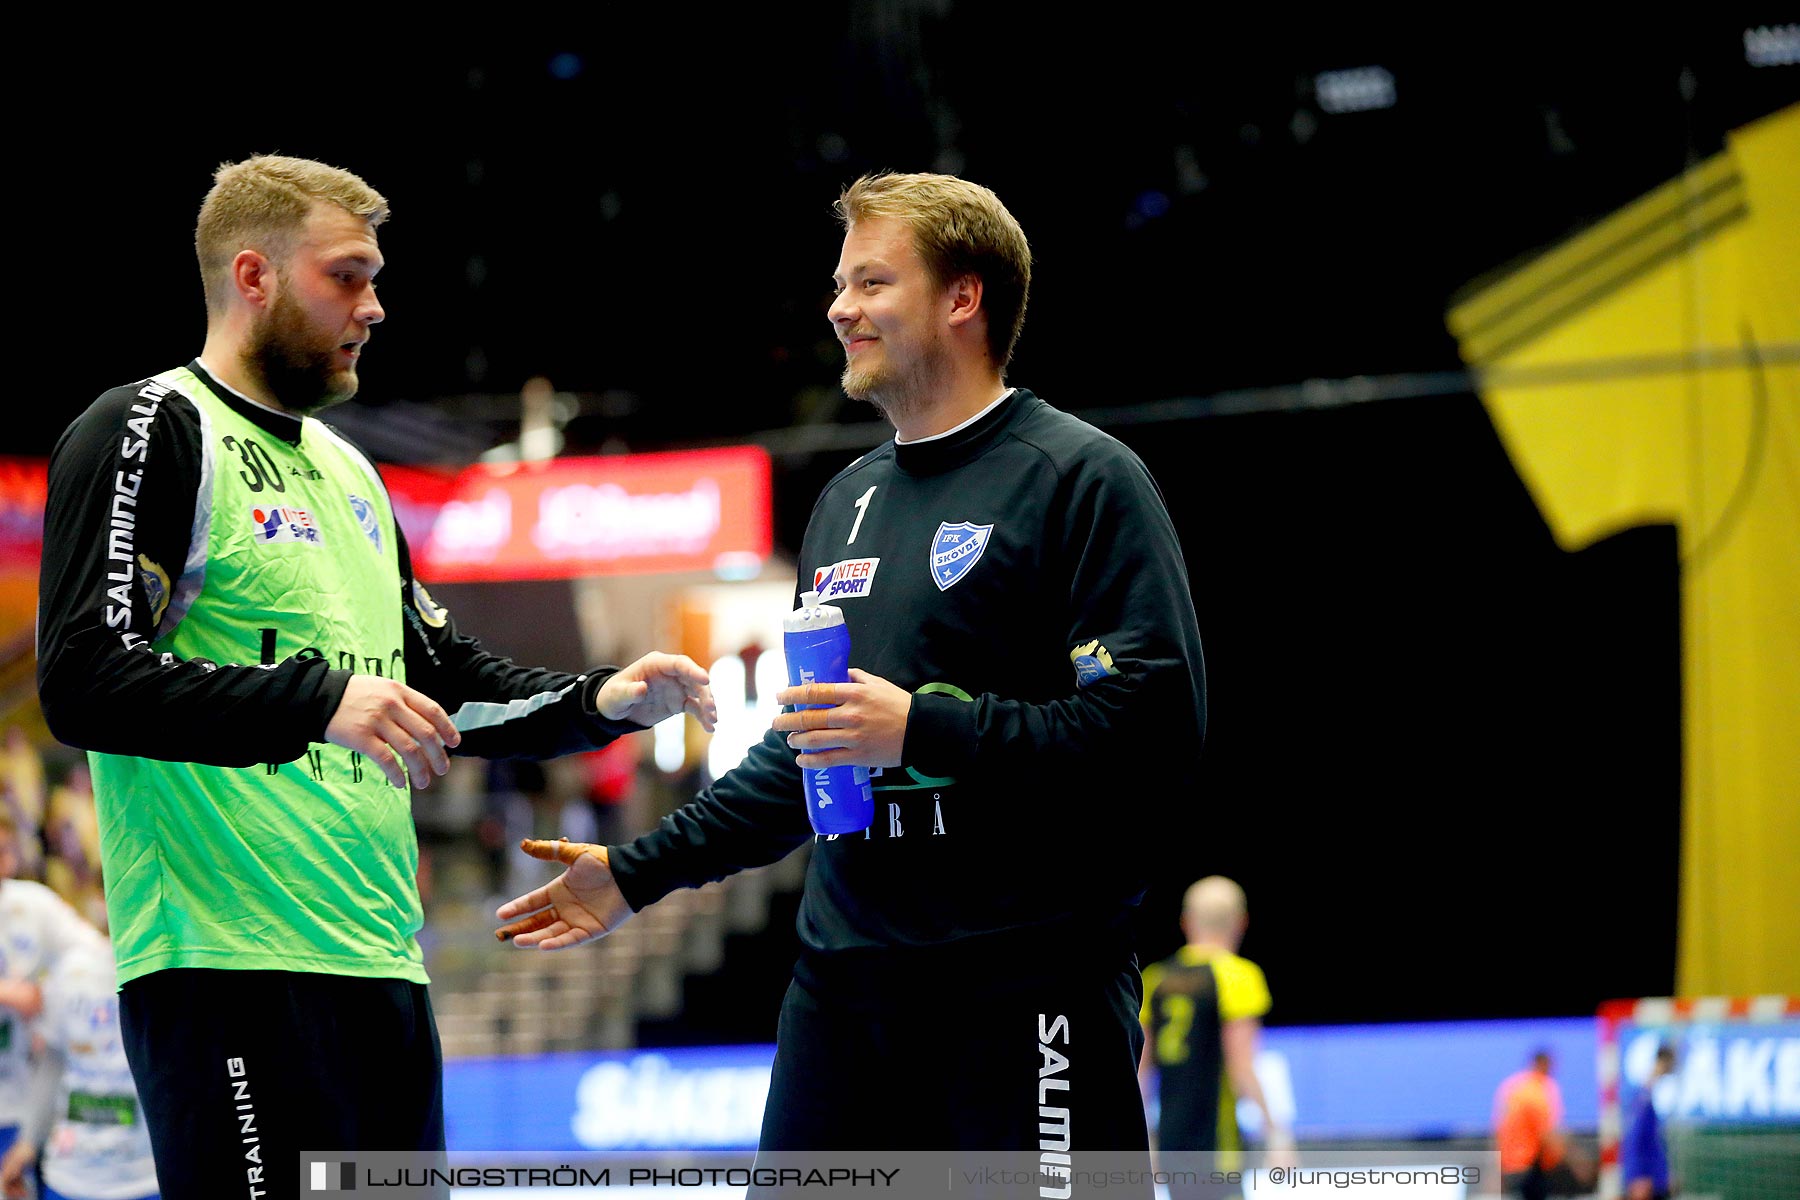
1646	371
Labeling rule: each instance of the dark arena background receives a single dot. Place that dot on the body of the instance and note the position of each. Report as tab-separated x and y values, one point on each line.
1451	746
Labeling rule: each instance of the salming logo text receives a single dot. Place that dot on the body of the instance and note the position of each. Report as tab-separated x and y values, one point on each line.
1053	1121
121	526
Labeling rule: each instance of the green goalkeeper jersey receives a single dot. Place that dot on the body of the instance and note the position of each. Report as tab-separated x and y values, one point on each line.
307	865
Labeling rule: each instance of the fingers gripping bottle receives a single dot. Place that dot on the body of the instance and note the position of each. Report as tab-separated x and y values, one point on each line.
838	799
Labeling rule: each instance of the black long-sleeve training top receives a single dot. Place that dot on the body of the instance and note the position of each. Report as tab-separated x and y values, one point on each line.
1022	578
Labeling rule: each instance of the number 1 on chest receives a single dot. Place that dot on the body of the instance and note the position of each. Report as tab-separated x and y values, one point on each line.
862	510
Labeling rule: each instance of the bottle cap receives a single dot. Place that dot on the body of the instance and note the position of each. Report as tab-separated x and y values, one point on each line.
812	615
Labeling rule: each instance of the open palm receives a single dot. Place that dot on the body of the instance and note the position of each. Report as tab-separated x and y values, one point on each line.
581	904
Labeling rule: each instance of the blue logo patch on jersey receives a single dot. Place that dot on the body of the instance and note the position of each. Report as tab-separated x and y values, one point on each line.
955	549
1093	662
365	516
286	524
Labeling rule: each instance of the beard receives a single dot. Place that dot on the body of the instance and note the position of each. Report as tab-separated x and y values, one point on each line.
296	362
900	392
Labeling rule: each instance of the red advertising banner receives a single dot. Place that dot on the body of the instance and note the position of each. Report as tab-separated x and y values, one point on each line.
623	515
418	494
24	484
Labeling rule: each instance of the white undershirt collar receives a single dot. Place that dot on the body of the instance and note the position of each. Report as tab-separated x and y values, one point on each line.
900	441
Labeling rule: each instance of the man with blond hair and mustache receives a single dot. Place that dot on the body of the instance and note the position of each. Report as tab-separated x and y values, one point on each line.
1022	635
231	628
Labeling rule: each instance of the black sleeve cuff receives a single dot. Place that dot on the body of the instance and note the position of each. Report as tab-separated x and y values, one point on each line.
940	734
326	701
628	869
590	695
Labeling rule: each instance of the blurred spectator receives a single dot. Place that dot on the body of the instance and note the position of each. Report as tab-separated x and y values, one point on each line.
22	796
612	790
516	789
72	836
85	1112
36	929
1202	1018
1528	1114
1643	1158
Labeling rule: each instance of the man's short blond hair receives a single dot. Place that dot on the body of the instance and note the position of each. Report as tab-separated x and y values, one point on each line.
1215	905
262	204
960	228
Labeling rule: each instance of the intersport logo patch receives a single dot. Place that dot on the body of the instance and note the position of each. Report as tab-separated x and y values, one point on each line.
842	580
285	523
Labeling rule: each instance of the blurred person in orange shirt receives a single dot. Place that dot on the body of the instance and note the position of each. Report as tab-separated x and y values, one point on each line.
1528	1114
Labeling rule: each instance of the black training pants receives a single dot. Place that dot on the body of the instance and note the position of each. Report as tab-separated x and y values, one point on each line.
240	1071
1015	1065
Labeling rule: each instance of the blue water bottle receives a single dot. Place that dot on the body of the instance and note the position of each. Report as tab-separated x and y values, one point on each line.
838	799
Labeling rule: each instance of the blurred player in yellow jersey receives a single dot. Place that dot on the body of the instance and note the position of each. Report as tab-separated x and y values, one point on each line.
1202	1017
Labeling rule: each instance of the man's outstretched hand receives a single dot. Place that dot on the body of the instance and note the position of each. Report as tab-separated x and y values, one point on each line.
657	686
580	904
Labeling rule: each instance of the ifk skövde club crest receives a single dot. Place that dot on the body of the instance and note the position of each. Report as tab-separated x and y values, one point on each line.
954	550
365	516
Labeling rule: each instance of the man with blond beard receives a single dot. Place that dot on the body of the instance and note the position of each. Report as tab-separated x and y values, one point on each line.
1022	635
231	627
